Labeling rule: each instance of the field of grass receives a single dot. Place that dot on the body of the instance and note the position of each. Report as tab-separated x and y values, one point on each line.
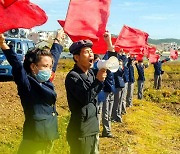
151	126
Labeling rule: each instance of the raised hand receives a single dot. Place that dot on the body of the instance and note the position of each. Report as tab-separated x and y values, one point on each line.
101	75
60	35
3	44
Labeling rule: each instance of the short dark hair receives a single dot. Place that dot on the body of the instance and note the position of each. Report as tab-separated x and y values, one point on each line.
34	56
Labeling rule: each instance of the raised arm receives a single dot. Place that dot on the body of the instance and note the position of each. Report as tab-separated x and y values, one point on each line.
20	75
3	44
165	60
107	38
56	50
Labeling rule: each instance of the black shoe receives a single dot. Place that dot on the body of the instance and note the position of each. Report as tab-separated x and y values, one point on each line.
124	112
108	135
117	120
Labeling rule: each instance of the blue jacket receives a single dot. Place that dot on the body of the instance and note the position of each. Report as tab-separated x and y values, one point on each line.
140	69
37	99
126	69
158	66
109	83
118	77
131	70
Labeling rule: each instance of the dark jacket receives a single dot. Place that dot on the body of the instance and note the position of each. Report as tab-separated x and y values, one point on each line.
140	69
109	83
118	77
38	100
158	66
131	70
126	69
82	91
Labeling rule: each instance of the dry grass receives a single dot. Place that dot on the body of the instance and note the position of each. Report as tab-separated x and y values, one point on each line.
147	128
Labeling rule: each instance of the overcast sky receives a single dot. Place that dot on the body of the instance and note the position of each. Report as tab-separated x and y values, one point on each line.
159	18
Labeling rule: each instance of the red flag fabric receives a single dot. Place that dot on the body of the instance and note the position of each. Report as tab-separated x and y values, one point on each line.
152	49
173	54
86	19
136	51
153	58
62	23
21	14
139	57
113	39
7	3
131	38
149	50
100	46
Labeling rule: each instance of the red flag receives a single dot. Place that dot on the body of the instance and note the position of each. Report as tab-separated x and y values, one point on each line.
86	19
153	58
113	39
149	50
20	14
62	23
139	57
173	54
100	46
7	3
131	38
135	51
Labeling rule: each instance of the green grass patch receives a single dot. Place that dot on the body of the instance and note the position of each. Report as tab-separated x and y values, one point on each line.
61	145
154	129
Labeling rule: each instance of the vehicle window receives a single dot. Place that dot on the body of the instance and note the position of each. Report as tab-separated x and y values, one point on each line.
25	45
18	45
10	43
30	45
19	51
19	48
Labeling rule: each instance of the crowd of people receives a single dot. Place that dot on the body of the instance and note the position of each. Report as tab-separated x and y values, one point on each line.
93	95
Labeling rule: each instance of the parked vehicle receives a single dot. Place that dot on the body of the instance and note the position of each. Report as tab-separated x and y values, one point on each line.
66	55
21	47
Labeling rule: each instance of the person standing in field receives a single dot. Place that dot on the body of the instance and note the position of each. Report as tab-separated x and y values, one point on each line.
141	78
130	84
109	90
158	72
119	84
37	95
82	87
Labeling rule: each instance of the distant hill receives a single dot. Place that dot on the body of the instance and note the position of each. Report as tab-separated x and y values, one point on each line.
159	41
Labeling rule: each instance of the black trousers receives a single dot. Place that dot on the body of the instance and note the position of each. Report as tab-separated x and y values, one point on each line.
84	145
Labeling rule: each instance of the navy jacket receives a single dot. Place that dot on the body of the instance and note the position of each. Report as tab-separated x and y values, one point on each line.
140	69
82	91
109	83
126	69
118	77
158	66
38	99
131	70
